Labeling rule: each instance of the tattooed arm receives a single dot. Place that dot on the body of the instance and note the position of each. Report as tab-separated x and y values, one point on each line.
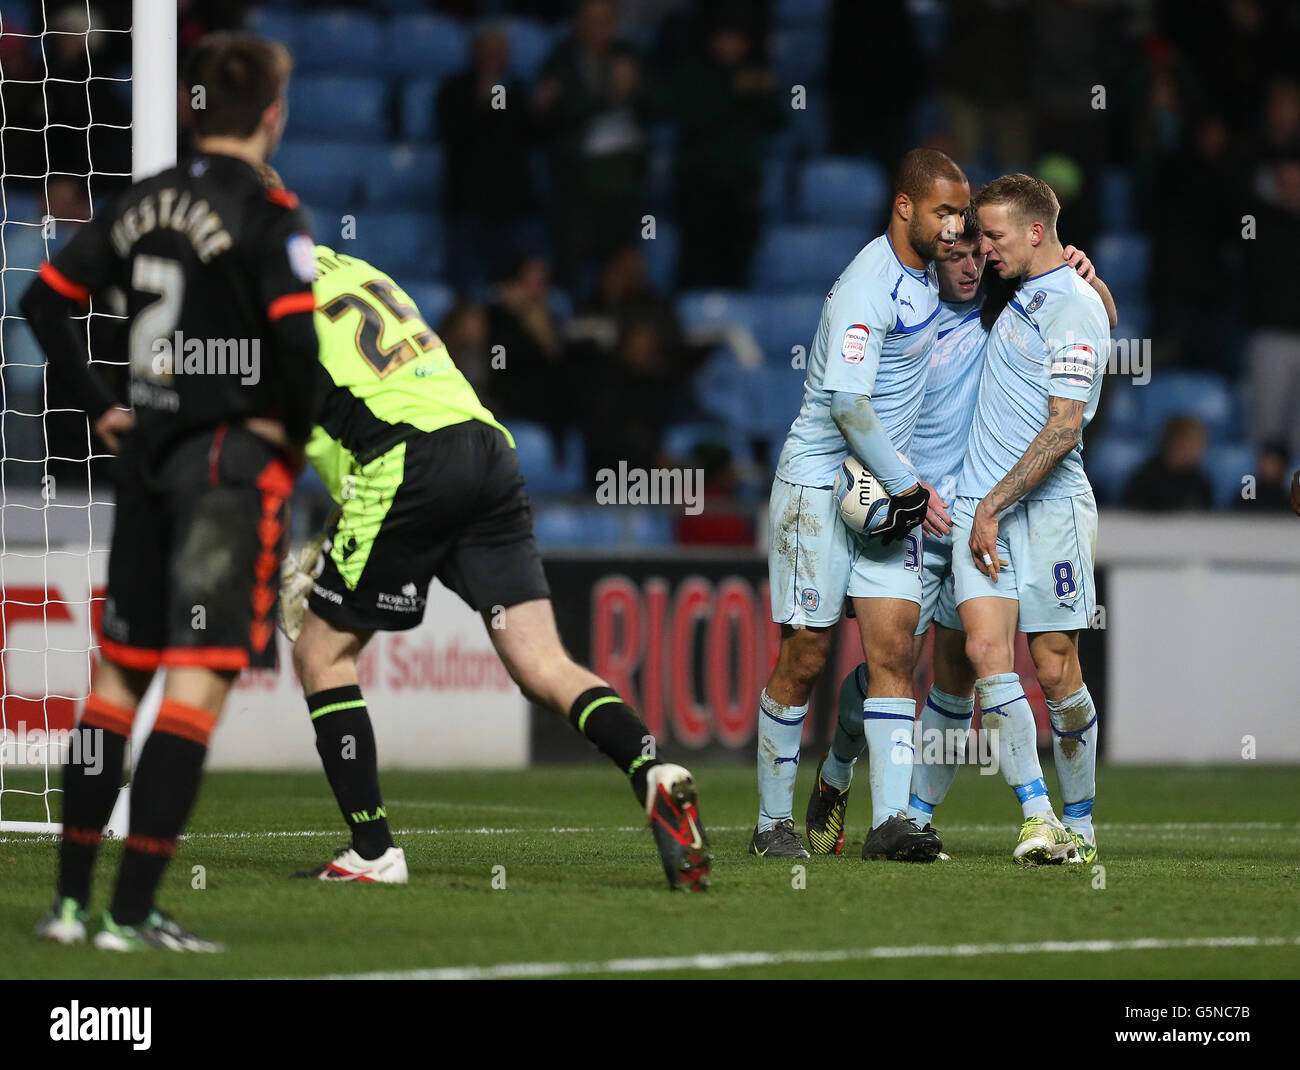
1057	438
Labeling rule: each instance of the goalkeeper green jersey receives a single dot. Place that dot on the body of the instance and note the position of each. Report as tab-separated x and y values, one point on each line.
389	375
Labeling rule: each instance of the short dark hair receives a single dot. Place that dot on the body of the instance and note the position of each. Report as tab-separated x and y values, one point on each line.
242	75
970	225
1177	426
1278	448
1031	198
921	168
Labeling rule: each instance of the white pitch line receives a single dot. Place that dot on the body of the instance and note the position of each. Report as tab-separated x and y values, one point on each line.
728	960
483	830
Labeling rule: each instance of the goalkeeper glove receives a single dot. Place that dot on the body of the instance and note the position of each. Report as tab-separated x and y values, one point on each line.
906	511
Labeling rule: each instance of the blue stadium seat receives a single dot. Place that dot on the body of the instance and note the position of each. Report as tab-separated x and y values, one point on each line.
808	131
780	393
403	5
21	207
1203	395
1240	399
1116	200
569	526
434	45
1226	465
720	308
930	121
339	108
930	25
282	26
651	527
545	473
560	303
843	190
661	256
1110	461
399	243
1123	260
574	459
340	40
531	42
680	440
799	12
661	139
433	299
978	175
309	482
419	109
323	172
1134	322
791	256
789	320
757	401
799	54
777	196
725	389
1121	409
405	176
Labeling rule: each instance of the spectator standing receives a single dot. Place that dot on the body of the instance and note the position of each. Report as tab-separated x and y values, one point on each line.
1173	480
487	133
593	106
532	383
725	106
1272	313
1270	482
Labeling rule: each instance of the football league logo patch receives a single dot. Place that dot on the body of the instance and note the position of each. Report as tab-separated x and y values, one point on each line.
1037	302
854	347
302	256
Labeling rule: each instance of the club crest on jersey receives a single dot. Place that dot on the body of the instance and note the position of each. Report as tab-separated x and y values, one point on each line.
854	347
302	256
811	600
1037	302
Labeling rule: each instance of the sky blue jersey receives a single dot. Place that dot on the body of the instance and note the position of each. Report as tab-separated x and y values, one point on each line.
873	338
1052	340
951	387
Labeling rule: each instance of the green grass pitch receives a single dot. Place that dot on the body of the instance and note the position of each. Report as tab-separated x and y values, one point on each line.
1201	875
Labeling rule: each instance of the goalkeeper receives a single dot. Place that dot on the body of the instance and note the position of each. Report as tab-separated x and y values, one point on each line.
428	484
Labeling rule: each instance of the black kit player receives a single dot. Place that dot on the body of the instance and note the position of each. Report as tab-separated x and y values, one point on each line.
216	272
428	484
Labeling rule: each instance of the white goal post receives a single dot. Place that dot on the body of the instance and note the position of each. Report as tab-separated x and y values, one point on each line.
50	567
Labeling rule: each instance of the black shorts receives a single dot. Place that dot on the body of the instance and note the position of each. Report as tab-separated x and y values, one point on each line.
449	503
194	566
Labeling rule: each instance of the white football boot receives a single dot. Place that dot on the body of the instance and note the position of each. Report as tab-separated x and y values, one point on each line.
64	924
347	865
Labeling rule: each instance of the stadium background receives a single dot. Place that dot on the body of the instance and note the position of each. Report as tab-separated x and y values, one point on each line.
648	228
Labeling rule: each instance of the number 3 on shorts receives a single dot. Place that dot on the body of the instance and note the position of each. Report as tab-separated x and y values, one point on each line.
912	562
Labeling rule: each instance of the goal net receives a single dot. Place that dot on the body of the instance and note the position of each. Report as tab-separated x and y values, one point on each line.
80	114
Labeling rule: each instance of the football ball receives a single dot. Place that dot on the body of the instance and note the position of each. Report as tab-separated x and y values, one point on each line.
863	503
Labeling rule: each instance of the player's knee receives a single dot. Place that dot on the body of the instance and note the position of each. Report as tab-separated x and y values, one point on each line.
541	680
894	652
987	656
804	655
1054	675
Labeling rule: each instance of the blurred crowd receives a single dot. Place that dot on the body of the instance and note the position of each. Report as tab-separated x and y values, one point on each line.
1196	107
